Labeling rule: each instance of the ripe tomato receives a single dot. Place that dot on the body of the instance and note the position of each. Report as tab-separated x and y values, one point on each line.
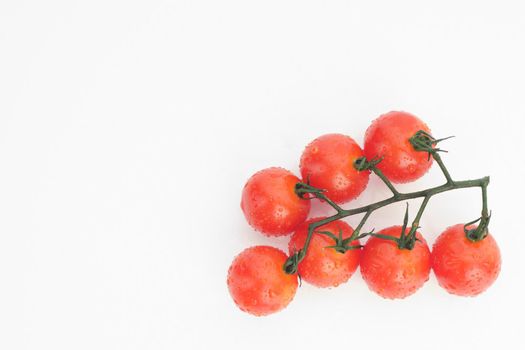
325	267
388	137
391	272
270	204
464	267
258	283
328	163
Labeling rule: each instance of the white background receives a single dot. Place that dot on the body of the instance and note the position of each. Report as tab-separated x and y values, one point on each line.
128	128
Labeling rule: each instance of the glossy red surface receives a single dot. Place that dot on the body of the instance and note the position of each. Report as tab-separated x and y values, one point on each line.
270	204
257	282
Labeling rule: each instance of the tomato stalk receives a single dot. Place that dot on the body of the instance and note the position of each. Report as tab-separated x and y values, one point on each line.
421	141
362	164
481	231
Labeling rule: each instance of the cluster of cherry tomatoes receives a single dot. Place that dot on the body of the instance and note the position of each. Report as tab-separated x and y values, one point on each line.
256	279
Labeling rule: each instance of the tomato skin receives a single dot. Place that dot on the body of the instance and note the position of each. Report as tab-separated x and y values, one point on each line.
463	267
258	283
325	267
391	272
270	204
328	163
388	137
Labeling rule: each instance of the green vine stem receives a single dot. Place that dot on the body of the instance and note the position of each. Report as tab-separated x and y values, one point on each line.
421	141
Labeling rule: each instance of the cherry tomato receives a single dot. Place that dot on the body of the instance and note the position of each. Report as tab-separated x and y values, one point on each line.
388	137
391	272
258	283
325	267
464	267
328	163
270	204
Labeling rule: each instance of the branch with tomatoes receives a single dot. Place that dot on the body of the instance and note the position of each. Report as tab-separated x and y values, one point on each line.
395	262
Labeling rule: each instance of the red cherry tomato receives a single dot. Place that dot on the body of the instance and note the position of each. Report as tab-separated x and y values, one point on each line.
464	267
328	163
270	204
325	267
391	272
258	283
388	137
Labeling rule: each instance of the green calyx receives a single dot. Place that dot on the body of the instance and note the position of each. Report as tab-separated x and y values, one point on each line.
292	263
362	164
304	189
422	141
341	245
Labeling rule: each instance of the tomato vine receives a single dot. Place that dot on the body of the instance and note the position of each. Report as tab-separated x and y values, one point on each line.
421	142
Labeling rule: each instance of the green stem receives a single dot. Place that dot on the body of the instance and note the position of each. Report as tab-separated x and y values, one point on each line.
387	182
420	211
311	229
368	209
323	197
356	233
411	237
418	194
442	166
484	210
481	230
